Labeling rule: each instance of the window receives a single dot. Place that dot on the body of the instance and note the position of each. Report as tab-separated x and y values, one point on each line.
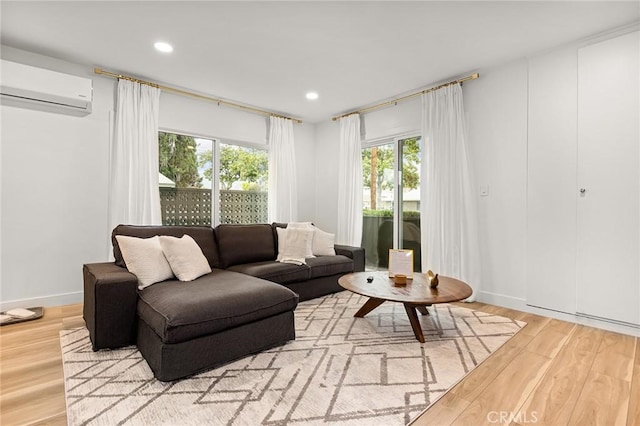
243	184
205	182
185	185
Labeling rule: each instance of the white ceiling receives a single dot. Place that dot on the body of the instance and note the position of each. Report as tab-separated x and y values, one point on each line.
269	54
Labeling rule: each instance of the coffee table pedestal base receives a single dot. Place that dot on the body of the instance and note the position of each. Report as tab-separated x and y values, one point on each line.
410	308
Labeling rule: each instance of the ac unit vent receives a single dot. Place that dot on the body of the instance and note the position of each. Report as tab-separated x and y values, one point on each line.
25	86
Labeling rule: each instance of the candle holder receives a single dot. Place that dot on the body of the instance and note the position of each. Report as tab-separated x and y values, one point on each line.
400	279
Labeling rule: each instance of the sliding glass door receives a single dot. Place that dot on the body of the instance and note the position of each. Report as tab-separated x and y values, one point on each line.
391	199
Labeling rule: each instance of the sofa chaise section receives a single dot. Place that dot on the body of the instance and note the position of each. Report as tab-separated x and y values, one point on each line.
178	321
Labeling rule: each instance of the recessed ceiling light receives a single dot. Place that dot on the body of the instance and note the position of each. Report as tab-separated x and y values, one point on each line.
312	96
161	46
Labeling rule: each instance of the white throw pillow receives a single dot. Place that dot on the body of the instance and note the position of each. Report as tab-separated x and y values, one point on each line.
323	243
300	225
185	257
305	225
293	244
144	259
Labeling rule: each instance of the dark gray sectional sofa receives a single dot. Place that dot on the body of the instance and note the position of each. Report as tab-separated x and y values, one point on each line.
245	305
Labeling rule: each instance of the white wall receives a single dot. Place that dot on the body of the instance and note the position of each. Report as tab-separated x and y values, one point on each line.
54	194
54	172
202	118
496	106
403	118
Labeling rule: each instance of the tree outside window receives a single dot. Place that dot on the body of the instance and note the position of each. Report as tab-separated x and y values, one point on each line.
241	168
179	160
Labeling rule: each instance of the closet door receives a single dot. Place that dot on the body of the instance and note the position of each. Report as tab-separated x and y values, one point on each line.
608	193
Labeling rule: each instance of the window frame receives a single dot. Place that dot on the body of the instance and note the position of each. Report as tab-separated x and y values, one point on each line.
215	163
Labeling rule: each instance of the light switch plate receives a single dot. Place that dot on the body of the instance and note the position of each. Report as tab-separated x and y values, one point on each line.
484	190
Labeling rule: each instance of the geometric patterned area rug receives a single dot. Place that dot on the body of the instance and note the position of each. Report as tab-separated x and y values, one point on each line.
340	370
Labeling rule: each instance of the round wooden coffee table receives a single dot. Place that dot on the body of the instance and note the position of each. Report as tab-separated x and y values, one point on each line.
416	295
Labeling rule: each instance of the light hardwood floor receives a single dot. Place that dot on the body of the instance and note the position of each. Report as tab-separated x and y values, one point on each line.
551	373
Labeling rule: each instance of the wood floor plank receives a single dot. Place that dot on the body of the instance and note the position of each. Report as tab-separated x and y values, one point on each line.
41	332
33	403
59	419
71	310
553	400
615	356
73	322
504	394
20	377
477	381
551	338
30	352
633	416
604	401
535	323
444	412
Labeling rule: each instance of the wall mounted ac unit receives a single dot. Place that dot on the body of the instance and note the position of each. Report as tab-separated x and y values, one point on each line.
45	90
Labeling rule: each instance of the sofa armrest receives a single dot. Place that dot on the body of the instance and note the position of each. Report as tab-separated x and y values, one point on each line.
355	253
110	303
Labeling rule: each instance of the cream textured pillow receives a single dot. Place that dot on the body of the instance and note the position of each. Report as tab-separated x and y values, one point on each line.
185	257
323	243
293	244
144	259
304	225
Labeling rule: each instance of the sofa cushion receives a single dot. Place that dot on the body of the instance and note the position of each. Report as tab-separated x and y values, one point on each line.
240	244
203	235
179	311
282	273
323	266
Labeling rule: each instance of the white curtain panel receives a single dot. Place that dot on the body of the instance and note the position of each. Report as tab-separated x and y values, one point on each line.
134	196
349	230
448	209
283	180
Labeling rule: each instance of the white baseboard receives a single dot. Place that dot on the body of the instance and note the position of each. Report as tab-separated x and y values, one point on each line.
521	305
502	300
53	300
